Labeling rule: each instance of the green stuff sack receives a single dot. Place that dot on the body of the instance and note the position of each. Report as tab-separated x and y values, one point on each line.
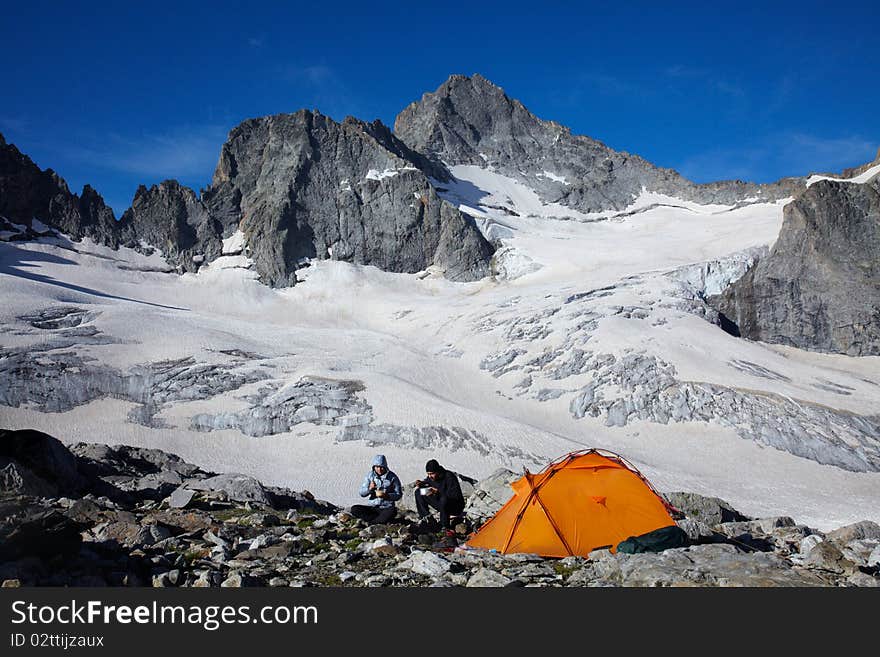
655	541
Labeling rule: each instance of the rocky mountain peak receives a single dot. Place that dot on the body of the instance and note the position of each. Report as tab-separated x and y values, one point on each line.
471	121
28	192
453	123
302	186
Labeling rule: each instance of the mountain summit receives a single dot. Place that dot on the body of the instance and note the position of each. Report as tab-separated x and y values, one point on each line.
471	121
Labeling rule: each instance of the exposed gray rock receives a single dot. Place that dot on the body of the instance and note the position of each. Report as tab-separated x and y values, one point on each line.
708	510
864	580
237	580
484	578
28	193
859	530
29	530
859	551
490	494
302	186
697	532
32	462
711	565
170	217
238	487
808	543
181	498
819	288
827	556
429	564
469	120
18	479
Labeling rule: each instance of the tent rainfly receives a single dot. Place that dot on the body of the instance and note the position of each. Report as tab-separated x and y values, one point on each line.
582	502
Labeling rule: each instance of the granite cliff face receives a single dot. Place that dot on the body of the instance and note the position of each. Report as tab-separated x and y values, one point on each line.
28	193
819	288
170	217
303	186
471	121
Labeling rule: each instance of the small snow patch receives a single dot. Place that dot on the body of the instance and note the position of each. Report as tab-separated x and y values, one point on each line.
373	174
860	179
234	244
552	176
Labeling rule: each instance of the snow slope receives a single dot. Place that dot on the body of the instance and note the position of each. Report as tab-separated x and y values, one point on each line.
586	314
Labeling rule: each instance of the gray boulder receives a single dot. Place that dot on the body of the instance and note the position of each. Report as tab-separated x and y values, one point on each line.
490	494
35	463
865	529
486	578
712	565
429	564
238	487
709	511
181	498
829	557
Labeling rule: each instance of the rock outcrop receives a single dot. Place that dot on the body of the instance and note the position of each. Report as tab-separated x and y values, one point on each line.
299	186
819	288
471	121
126	516
28	193
302	186
170	217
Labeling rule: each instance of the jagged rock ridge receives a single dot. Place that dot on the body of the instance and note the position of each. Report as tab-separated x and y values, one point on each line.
469	120
303	186
299	186
28	193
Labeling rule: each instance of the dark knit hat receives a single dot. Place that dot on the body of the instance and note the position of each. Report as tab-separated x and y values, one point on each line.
433	466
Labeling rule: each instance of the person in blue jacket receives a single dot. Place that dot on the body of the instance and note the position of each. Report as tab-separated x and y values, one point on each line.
383	489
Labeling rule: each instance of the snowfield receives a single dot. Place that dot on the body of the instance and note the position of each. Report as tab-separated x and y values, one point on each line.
593	333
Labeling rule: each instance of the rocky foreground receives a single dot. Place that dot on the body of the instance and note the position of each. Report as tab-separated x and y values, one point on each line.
94	515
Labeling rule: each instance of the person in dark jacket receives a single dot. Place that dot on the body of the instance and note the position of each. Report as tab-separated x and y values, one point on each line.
440	490
383	489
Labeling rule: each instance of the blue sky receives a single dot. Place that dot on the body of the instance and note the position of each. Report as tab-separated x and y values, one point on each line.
117	96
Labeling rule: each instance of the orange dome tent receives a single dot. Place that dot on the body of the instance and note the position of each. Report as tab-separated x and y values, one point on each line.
579	503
